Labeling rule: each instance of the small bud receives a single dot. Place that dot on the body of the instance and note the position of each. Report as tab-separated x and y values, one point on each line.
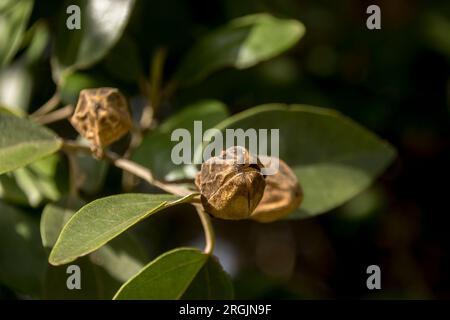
102	117
231	184
282	195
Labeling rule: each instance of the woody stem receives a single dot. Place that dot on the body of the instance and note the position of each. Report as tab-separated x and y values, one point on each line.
129	166
210	237
54	116
50	105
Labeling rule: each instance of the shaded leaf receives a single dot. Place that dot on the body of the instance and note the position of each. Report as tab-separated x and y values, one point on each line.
171	275
32	184
211	283
77	81
15	86
10	191
92	287
242	43
121	258
14	17
102	25
92	173
129	69
103	271
333	157
16	80
22	257
23	142
39	42
435	28
155	150
104	219
55	216
12	112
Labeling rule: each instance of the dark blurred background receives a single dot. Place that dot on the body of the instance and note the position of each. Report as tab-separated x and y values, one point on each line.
395	81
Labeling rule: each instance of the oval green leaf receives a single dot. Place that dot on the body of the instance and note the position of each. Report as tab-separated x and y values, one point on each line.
102	25
180	273
104	219
242	43
23	142
333	157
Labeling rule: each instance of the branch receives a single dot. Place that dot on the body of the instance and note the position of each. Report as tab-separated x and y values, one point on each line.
131	167
50	105
156	74
210	237
74	172
54	116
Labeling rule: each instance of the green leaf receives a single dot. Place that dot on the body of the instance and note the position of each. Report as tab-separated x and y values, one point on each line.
155	150
10	191
211	283
22	257
242	43
16	84
127	70
16	80
102	25
32	184
103	271
180	273
92	173
104	219
93	287
23	142
14	17
55	216
12	112
333	157
77	81
38	43
435	27
121	258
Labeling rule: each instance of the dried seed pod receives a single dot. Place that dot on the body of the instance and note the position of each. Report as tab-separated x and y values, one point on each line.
231	184
102	117
282	195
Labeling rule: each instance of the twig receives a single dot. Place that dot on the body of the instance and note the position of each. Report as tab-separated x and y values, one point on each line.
210	238
156	78
50	105
131	167
179	181
152	90
54	116
169	89
147	113
73	174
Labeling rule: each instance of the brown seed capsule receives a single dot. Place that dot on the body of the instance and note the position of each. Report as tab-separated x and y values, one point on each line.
282	195
231	184
102	117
